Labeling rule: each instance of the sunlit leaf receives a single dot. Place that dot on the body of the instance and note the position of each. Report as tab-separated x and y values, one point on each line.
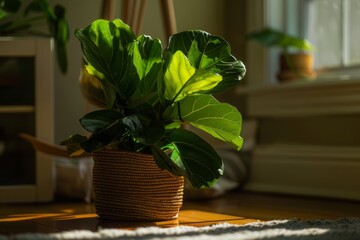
147	58
181	79
208	52
221	120
105	45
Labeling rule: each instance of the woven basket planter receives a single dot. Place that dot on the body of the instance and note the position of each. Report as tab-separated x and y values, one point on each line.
130	186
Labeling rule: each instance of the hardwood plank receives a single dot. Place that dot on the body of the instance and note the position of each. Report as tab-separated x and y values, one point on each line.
265	206
237	208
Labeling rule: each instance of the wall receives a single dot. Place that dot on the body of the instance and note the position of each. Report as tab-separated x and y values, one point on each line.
209	15
69	102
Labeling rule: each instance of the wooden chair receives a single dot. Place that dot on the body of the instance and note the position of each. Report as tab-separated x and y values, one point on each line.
133	11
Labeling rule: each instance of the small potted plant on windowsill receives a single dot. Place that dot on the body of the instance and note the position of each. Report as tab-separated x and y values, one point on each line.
19	20
293	65
148	94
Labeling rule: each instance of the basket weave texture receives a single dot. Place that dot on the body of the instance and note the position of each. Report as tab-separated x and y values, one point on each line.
130	186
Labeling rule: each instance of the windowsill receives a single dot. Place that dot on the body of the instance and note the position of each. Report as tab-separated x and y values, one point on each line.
336	95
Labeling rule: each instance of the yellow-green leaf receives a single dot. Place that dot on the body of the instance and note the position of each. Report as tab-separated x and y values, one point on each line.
182	79
177	74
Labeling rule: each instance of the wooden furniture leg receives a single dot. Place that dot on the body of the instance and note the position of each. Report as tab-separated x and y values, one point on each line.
108	9
133	11
169	19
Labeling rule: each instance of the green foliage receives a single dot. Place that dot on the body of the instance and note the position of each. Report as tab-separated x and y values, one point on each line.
18	20
150	93
270	37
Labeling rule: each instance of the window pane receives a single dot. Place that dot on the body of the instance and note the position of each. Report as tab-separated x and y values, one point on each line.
354	32
326	33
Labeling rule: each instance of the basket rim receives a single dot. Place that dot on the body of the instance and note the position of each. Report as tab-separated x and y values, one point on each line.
120	151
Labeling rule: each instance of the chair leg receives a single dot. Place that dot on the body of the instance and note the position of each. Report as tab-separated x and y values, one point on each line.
140	17
169	19
108	9
133	11
125	10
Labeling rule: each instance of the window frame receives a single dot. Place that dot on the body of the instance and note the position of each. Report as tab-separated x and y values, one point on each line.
276	14
265	97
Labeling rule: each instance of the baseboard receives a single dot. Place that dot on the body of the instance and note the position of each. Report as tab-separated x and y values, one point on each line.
326	171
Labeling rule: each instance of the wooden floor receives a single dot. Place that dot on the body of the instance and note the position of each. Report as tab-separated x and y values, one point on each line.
237	207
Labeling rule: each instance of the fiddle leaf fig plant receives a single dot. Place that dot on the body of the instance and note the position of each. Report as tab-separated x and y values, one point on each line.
150	93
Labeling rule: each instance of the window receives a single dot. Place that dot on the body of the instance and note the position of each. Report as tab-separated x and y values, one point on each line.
331	25
305	105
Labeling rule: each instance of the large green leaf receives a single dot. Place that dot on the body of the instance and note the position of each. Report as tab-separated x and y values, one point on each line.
181	79
208	52
115	132
189	155
221	120
99	120
105	45
147	58
142	124
105	88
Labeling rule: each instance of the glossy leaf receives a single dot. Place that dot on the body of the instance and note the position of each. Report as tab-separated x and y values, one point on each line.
144	124
105	45
221	120
103	88
207	52
181	79
92	89
113	133
147	58
99	120
151	129
190	156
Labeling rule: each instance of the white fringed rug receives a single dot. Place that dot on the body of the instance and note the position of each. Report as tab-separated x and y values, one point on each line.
342	229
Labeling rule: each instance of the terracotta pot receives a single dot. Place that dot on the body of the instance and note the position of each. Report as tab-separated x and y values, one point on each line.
295	66
130	186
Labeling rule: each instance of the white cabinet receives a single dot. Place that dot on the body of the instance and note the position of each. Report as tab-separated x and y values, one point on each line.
26	105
